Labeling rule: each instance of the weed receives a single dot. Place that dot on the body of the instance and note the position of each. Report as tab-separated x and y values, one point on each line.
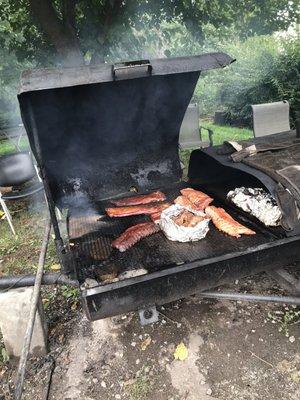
72	295
285	319
49	298
140	389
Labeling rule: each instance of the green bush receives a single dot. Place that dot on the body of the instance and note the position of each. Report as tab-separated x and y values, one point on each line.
285	79
266	70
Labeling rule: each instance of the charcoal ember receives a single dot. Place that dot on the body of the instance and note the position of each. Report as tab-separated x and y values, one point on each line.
257	202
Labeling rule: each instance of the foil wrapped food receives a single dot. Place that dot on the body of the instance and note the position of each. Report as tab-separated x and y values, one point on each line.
257	202
180	233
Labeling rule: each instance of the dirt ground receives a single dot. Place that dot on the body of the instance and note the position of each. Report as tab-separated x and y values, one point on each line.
239	351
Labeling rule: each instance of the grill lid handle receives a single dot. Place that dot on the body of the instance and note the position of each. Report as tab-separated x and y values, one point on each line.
131	69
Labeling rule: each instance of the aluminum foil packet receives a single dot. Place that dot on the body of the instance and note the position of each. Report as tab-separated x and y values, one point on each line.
257	202
180	233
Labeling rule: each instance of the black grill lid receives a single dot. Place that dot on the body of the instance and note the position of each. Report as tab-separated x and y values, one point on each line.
99	131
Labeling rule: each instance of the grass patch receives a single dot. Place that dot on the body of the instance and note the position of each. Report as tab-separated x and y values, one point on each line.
8	147
19	254
222	133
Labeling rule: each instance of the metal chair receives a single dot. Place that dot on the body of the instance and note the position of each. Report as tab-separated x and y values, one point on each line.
15	171
190	136
271	118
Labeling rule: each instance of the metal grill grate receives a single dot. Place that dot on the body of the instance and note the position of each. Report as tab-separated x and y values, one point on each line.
90	237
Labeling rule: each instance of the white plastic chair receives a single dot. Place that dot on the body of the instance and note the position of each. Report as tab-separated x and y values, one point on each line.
190	136
271	118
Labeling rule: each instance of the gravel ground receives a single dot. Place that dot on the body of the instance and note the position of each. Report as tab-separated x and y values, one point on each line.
235	350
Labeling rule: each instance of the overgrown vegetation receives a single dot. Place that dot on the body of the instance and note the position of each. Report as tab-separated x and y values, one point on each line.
266	69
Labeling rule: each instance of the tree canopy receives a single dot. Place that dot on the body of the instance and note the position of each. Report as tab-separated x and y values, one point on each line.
72	32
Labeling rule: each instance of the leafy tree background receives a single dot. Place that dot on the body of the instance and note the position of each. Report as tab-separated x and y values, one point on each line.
39	33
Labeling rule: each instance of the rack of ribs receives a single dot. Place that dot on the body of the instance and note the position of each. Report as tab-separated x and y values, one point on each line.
134	234
143	199
136	210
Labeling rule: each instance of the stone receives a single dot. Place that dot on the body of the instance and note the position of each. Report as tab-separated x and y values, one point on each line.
14	313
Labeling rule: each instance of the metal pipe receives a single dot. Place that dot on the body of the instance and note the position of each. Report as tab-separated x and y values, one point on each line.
250	297
33	307
11	282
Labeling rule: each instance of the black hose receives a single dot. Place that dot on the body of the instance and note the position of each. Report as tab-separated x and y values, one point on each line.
11	282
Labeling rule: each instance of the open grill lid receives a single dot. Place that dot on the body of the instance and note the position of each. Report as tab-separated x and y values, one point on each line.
100	131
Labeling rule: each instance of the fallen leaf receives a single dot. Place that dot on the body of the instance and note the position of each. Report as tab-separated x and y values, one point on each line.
1	213
55	267
296	376
145	343
181	352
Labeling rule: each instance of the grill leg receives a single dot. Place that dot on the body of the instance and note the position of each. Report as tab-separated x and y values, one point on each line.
148	315
7	214
286	280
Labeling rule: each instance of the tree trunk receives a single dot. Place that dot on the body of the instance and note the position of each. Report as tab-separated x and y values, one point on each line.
111	10
60	32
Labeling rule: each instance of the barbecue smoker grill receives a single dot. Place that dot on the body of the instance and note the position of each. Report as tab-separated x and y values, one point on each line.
102	132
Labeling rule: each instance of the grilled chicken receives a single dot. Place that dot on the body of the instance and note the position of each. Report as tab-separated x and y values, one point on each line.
199	199
134	234
136	210
225	223
143	199
188	219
